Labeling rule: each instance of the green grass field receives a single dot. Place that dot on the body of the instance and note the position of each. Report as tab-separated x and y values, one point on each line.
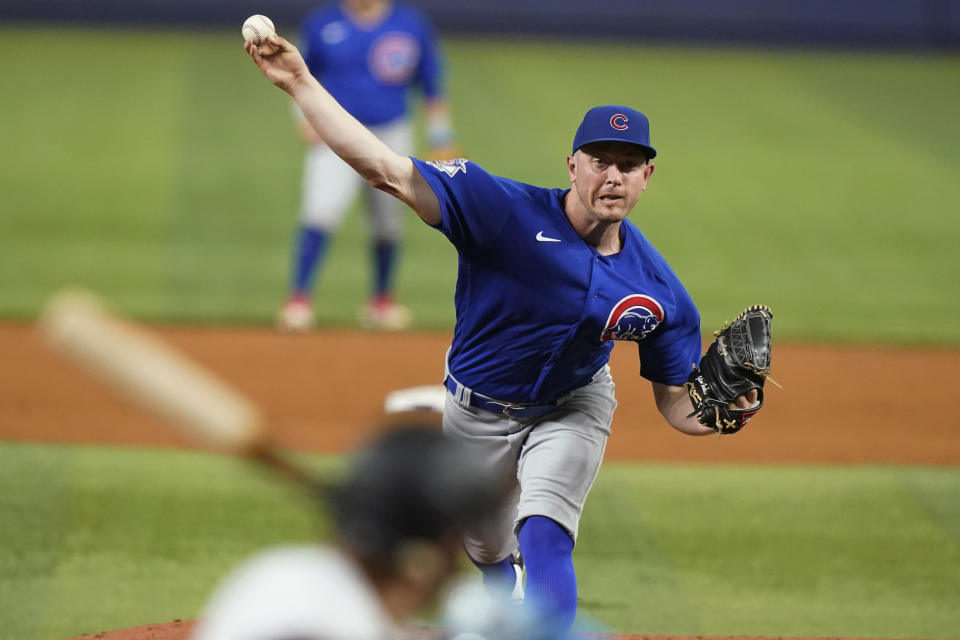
106	538
163	171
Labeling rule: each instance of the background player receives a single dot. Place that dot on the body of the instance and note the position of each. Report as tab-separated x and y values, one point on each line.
369	54
548	279
397	515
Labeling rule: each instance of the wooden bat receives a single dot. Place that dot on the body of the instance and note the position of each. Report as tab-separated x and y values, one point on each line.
159	379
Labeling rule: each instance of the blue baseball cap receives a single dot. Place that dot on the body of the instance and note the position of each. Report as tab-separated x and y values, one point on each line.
615	123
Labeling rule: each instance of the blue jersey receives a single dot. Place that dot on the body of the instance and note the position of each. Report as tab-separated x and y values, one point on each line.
537	307
368	70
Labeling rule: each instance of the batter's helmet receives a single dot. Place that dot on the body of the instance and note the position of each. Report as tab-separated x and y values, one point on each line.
412	483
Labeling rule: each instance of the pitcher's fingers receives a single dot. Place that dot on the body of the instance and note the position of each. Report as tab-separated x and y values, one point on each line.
272	45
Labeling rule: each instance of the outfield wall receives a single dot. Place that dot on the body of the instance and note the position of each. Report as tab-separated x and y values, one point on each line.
899	23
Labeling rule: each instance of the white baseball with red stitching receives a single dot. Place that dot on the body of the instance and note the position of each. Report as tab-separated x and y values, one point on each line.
257	28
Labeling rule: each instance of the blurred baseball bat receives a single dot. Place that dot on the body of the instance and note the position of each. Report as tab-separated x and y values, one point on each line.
158	378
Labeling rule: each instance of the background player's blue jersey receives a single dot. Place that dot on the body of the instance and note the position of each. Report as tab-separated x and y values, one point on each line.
368	71
537	307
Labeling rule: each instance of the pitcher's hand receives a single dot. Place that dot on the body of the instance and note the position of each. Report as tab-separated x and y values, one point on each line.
280	61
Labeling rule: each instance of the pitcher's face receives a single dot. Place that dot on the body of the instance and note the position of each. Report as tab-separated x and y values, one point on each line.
608	178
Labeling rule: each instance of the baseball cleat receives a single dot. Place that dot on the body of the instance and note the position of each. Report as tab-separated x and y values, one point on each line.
296	316
383	314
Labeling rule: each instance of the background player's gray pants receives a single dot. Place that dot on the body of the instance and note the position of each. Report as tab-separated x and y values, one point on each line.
330	185
557	458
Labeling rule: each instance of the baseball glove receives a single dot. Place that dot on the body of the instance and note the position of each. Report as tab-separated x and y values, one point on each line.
737	362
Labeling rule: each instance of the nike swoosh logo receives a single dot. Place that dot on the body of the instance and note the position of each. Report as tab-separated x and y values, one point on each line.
543	238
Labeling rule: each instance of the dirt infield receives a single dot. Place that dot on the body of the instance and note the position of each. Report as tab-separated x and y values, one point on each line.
320	392
839	404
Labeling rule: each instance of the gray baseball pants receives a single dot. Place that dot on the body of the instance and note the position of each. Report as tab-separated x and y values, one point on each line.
557	458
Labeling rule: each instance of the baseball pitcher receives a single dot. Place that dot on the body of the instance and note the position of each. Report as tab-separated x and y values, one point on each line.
548	280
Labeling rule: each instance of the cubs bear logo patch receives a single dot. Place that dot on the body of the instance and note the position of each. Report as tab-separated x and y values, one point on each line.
633	318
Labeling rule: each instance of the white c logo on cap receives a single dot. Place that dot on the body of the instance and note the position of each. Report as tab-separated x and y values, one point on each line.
619	121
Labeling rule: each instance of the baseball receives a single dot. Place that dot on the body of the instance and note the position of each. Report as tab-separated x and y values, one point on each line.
257	28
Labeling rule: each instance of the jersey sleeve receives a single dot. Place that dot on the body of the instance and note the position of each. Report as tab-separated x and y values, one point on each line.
669	355
475	205
430	68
